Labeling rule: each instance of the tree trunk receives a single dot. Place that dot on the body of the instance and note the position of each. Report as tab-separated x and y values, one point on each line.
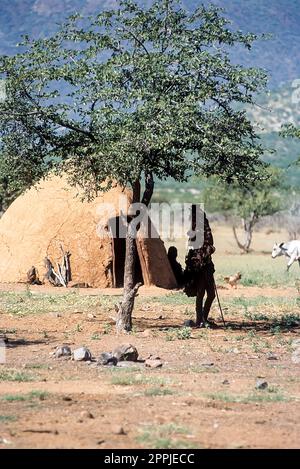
248	230
248	233
125	307
124	316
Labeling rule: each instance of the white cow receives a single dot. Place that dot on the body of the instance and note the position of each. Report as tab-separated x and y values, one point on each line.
290	249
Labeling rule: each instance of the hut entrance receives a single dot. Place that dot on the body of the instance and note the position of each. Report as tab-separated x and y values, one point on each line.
117	228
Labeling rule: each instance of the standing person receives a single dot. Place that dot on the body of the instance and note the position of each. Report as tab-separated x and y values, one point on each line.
199	272
175	265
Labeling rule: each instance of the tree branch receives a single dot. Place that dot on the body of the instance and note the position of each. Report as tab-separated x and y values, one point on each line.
57	120
137	40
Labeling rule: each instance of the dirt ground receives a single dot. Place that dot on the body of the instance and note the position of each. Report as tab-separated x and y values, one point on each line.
204	396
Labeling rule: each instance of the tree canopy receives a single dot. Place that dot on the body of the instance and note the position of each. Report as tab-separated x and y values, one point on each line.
131	92
247	203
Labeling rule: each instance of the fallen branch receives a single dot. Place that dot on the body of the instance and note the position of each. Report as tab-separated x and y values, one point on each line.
55	432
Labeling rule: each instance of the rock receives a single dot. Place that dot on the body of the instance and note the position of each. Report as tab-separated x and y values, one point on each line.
90	316
271	356
67	398
107	359
126	352
189	323
234	350
156	363
261	384
63	351
207	364
82	354
118	430
86	414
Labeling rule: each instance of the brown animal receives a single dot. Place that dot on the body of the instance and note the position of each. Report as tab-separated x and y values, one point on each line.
233	279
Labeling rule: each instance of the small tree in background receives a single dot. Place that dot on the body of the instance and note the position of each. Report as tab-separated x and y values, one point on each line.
130	95
248	203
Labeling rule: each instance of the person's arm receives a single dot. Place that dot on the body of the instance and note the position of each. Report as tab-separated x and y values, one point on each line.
208	237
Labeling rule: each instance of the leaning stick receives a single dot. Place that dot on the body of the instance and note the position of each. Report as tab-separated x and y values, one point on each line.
221	311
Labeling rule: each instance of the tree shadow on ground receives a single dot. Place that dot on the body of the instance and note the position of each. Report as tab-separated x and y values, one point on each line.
13	343
275	326
263	326
150	323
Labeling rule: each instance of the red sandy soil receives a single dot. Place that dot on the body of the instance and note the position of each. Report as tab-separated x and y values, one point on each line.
186	403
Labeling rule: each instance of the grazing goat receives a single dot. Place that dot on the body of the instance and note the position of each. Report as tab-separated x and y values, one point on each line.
290	249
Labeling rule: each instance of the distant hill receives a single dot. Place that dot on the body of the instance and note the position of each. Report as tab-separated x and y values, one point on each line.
273	110
281	55
277	107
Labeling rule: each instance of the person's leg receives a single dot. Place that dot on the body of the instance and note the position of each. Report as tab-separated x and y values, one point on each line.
210	292
199	302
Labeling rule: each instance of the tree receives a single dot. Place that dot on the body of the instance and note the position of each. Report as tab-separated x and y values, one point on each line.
249	202
130	95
